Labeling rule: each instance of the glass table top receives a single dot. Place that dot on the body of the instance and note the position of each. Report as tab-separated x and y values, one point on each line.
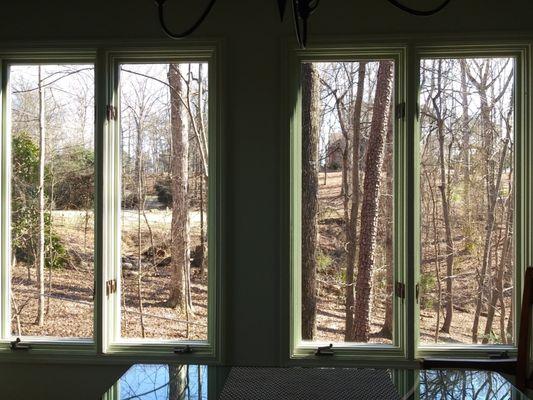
200	382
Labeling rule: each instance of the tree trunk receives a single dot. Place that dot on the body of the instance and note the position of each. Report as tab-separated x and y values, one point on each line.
370	204
388	216
354	211
310	133
177	381
493	188
41	241
466	157
445	201
180	235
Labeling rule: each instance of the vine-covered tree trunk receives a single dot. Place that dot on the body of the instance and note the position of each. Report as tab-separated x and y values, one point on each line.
310	134
354	210
180	236
370	204
388	216
41	240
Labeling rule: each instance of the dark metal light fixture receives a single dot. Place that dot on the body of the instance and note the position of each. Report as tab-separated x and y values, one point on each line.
301	11
420	13
186	32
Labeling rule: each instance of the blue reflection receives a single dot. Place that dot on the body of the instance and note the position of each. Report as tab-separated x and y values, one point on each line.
465	385
164	382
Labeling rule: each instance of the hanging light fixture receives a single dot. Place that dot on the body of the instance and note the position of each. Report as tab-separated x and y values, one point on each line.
419	13
301	11
180	35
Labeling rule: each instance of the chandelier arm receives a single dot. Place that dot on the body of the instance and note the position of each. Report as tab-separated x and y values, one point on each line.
296	16
187	32
420	13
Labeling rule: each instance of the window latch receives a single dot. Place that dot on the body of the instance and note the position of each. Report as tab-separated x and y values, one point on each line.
325	351
16	345
183	350
501	355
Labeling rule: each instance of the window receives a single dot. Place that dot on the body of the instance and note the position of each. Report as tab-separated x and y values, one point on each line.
345	167
467	187
426	255
51	246
111	171
163	217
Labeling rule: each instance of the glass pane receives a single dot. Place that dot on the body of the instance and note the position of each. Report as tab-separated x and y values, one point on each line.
467	188
164	200
52	200
347	201
164	382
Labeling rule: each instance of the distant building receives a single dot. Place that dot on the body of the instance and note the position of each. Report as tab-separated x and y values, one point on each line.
334	150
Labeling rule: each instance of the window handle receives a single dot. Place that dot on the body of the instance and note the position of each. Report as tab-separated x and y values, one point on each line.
16	345
183	350
325	351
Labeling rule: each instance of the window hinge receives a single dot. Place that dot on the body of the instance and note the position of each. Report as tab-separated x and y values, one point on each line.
400	111
183	350
17	345
400	290
417	292
111	286
325	351
111	112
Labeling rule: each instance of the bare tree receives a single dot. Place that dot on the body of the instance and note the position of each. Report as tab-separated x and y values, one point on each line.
370	204
310	134
179	291
42	205
354	210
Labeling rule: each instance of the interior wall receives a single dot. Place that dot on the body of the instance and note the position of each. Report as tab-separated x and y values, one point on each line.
253	136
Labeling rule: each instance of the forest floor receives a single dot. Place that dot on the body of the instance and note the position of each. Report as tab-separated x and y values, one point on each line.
69	298
331	289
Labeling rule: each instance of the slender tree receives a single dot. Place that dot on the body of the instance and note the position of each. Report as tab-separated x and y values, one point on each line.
42	205
310	134
180	235
370	201
354	209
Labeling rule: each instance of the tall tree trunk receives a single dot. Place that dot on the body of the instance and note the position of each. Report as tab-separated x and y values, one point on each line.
41	241
180	235
370	204
140	211
492	190
388	216
177	382
466	157
310	134
354	211
445	201
506	253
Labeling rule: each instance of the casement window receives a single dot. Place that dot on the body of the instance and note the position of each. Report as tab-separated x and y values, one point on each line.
408	197
109	182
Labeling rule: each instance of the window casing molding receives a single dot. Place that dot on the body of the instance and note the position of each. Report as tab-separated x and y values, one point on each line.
106	341
406	189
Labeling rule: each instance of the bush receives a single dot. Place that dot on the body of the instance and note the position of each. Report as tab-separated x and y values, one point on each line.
25	207
74	179
164	191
